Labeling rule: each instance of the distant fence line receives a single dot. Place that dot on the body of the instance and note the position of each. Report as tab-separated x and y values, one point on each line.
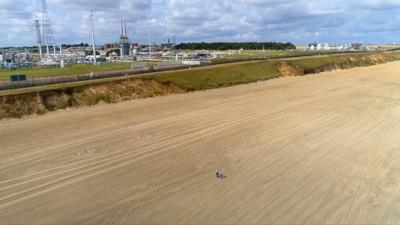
42	81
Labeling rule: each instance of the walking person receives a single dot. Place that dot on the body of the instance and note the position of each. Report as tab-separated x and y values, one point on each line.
217	173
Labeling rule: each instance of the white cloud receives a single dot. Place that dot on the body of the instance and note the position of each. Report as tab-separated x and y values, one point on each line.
207	20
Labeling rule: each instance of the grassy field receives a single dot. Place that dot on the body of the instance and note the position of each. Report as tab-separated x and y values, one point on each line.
253	54
273	54
220	76
68	70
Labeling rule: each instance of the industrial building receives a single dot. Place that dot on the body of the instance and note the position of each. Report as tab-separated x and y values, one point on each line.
15	58
356	46
48	53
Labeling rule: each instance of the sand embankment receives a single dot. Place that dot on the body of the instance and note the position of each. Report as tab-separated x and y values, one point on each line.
41	101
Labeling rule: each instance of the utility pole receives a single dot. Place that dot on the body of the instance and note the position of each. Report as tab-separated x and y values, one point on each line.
150	45
93	39
121	43
150	42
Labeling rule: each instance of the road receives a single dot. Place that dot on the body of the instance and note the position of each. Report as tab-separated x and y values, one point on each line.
318	149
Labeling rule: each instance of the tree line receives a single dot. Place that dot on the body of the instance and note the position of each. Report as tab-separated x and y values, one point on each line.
236	46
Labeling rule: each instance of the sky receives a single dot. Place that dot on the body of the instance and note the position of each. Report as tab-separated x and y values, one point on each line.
296	21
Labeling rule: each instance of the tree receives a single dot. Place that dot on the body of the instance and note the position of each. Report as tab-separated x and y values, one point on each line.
89	52
236	46
117	51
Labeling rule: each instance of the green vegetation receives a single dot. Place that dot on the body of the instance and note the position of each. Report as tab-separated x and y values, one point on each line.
96	98
316	64
236	46
248	55
90	52
75	45
113	51
254	54
68	70
219	76
312	63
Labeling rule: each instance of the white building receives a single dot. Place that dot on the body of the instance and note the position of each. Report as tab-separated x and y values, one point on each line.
191	62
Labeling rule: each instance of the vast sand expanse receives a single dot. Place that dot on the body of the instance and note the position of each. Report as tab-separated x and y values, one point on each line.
319	149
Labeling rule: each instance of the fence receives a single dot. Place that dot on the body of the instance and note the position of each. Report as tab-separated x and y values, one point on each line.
34	82
42	81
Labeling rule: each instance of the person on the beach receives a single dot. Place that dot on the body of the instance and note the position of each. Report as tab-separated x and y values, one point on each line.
218	174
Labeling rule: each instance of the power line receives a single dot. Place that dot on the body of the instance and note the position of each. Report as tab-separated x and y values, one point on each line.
47	31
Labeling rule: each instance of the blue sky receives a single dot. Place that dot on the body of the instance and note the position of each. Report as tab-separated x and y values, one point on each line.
297	21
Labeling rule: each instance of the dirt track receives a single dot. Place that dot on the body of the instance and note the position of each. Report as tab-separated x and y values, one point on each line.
316	149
